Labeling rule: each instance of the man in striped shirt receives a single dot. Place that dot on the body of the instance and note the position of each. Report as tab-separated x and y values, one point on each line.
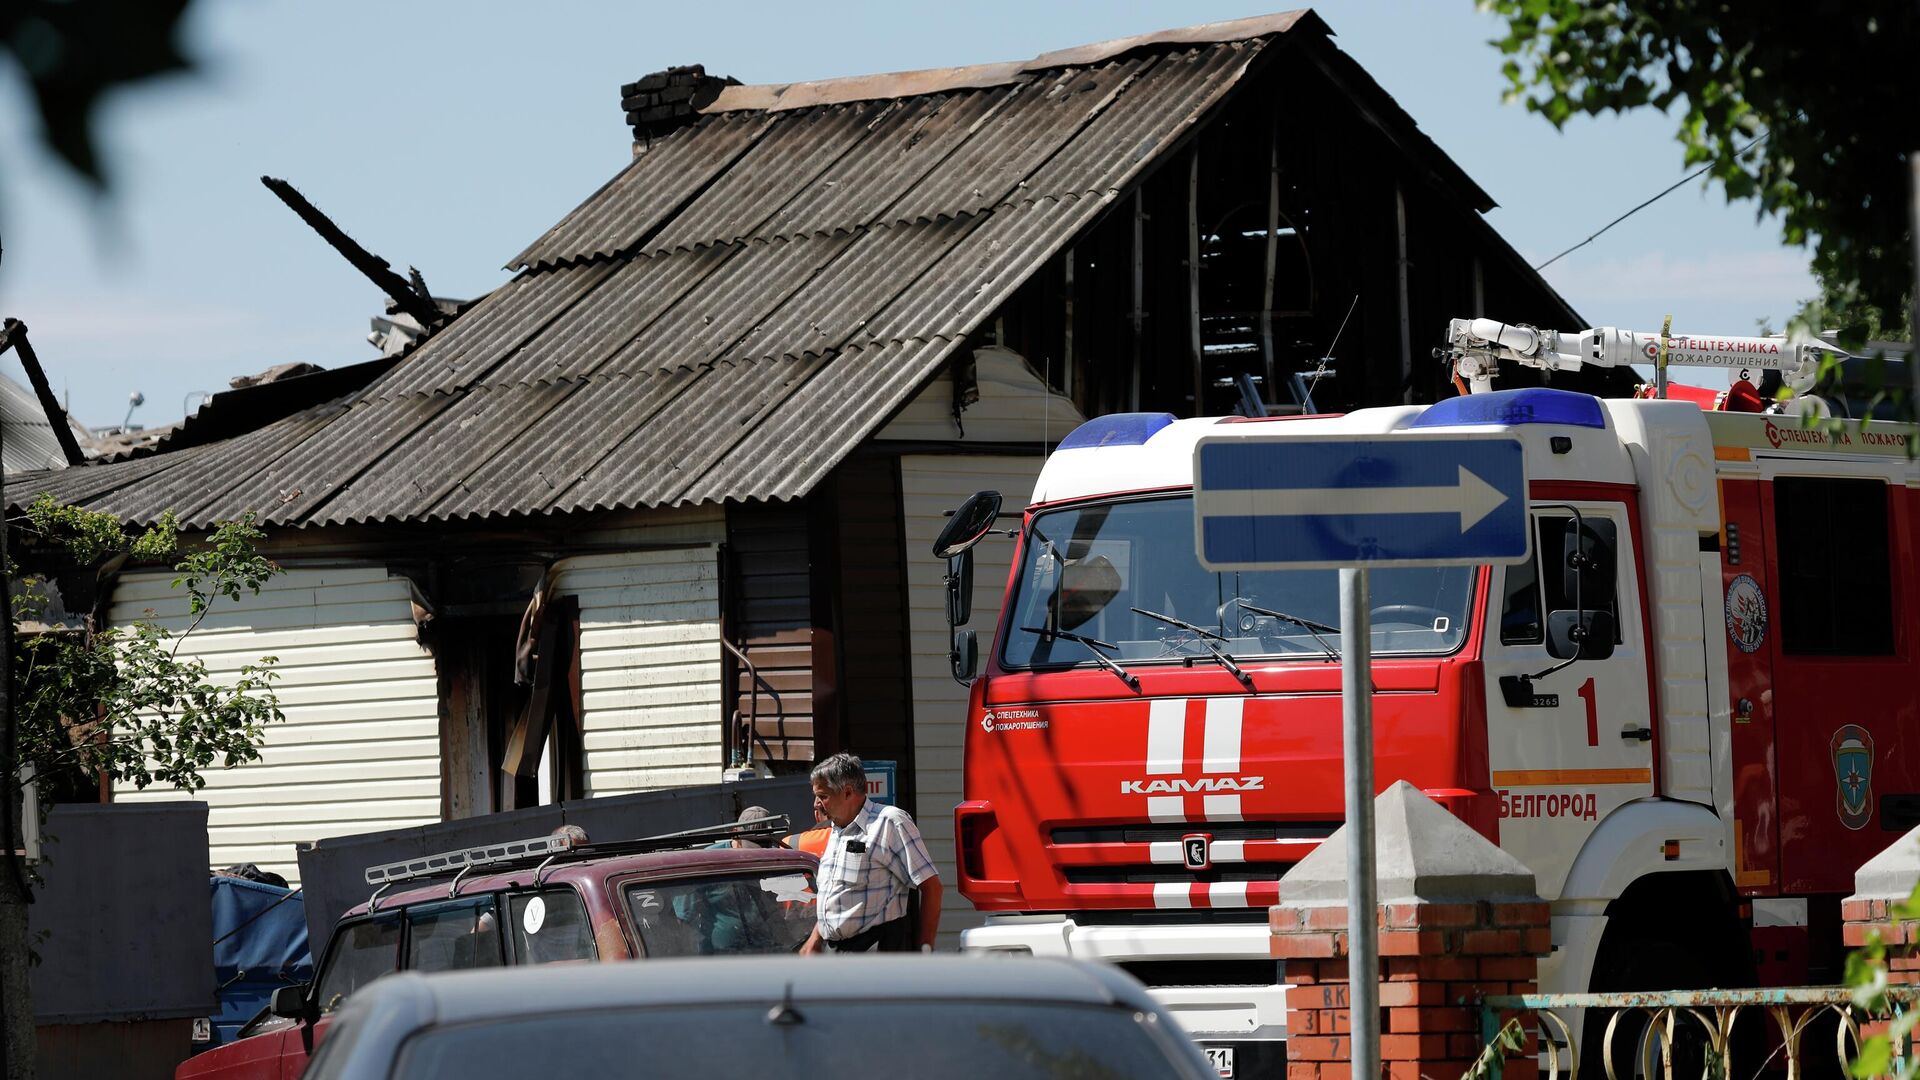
874	862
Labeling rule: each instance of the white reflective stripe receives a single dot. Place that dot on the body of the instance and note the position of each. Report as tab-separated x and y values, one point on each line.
1220	753
1221	807
1172	894
1165	851
1229	851
1227	894
1166	736
1168	808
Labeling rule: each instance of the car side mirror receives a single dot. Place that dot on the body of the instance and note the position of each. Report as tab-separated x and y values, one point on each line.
1586	635
1586	564
965	656
291	1003
970	523
959	582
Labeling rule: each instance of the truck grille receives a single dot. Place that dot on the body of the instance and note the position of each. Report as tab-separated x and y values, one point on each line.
1142	875
1203	972
1161	917
1143	833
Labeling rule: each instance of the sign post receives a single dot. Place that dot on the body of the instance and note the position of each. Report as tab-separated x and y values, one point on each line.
1282	502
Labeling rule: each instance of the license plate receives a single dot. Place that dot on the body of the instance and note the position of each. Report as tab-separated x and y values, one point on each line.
1221	1058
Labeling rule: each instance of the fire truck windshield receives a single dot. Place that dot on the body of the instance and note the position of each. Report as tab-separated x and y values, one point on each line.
1092	569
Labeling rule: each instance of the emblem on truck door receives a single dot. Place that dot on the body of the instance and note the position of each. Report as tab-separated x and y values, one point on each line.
1852	748
1746	614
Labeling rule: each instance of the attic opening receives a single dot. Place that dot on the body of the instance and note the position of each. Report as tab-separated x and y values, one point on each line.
1211	267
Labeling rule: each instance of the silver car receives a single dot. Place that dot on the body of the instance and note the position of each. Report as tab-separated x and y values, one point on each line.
768	1018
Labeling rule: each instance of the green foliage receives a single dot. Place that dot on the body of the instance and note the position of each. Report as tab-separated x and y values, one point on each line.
89	537
1510	1039
1788	104
1840	302
72	52
227	565
121	703
1866	977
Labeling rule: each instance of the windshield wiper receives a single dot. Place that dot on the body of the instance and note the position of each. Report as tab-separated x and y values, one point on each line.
1094	645
1311	627
1206	638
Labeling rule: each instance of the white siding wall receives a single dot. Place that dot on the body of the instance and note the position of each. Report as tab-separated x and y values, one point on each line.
650	659
1013	407
359	750
932	486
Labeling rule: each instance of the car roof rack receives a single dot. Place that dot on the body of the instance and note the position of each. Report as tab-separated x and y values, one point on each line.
461	860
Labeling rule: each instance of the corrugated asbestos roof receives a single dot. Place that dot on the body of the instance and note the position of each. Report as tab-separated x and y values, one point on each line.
732	313
28	441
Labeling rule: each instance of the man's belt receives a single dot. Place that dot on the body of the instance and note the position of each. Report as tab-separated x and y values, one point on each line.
894	935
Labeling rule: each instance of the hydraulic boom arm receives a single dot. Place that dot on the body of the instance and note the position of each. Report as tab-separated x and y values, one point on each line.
1476	347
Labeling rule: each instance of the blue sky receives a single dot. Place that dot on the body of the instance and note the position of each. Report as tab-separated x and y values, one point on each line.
449	135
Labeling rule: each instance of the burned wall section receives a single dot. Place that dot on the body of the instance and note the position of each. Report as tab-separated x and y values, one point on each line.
1289	212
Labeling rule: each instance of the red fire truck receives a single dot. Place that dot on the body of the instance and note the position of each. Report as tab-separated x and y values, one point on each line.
1151	744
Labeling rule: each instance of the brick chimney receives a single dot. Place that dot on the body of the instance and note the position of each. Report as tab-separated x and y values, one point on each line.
670	99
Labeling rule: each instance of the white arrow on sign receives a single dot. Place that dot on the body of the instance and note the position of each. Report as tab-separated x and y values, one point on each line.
1472	498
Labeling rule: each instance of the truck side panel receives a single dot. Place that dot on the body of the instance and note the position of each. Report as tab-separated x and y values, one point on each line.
1842	652
1746	581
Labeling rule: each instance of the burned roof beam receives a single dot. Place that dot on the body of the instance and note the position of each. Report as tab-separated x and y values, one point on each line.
14	335
377	270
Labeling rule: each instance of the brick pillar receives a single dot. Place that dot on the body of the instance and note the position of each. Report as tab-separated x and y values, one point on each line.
1879	884
1458	920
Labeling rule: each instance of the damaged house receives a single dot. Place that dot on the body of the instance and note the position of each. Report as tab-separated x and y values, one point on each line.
664	500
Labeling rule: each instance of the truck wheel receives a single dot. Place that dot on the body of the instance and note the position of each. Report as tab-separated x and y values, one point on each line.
1647	964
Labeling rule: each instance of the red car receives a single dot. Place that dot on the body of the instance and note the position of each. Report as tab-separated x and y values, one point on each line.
540	901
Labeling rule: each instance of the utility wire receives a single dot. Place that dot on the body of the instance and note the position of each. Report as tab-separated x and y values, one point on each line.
1757	140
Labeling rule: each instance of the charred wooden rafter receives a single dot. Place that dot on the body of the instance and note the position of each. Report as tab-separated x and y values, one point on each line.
377	270
14	335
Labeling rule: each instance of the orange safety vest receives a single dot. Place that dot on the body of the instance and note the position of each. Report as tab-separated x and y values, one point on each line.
813	841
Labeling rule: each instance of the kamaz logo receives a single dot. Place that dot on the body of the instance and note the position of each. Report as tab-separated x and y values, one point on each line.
1185	786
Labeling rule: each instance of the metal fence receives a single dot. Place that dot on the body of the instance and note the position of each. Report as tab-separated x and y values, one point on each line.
1656	1022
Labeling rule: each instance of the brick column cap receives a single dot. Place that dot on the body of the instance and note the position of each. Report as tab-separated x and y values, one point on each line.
1422	853
1891	874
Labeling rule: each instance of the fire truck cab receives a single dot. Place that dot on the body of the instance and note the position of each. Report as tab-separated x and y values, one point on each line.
1152	744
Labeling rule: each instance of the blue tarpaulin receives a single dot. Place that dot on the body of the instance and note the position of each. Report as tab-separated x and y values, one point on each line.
260	945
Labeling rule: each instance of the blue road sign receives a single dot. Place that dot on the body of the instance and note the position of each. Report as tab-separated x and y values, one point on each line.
1284	502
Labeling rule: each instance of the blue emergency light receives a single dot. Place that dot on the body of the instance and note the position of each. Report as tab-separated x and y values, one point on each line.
1526	405
1117	429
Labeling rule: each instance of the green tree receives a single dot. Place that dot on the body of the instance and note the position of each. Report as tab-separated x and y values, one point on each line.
74	52
120	703
1804	108
1839	303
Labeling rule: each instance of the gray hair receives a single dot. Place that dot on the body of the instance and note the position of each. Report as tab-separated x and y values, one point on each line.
841	771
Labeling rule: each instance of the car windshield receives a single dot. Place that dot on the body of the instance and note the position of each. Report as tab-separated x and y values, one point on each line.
1124	575
924	1040
767	912
362	952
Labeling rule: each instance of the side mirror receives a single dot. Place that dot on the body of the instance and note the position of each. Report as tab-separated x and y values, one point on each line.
1585	635
964	657
291	1003
968	524
960	588
1587	562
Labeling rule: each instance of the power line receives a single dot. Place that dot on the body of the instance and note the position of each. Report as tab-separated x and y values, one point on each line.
1757	140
